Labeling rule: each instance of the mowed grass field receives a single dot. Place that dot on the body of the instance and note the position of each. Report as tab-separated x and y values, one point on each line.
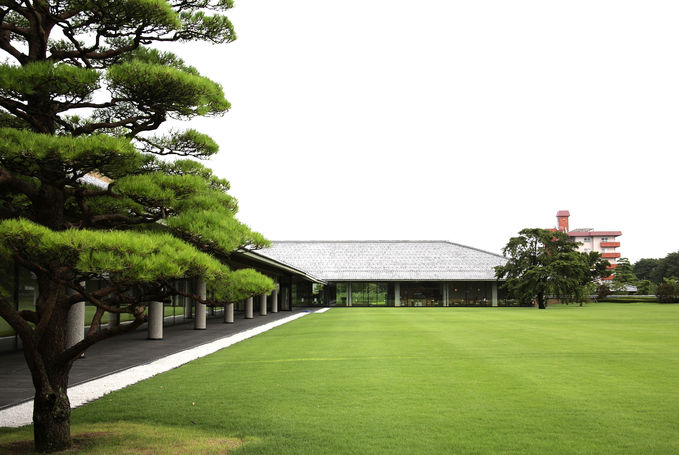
598	379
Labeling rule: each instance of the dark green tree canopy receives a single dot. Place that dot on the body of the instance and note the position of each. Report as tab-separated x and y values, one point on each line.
644	268
85	193
543	262
656	270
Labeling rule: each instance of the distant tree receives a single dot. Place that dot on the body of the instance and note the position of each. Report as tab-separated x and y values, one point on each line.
542	262
667	292
667	267
603	291
81	93
646	287
644	268
624	275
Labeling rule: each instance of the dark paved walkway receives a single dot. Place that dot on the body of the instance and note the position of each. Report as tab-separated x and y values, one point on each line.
125	351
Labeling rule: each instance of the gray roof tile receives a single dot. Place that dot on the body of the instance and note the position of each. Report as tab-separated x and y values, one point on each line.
386	260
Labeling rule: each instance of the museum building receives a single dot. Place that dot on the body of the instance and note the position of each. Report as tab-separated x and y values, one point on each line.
309	273
390	273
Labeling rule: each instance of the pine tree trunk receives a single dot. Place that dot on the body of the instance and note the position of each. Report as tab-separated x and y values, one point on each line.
52	416
51	407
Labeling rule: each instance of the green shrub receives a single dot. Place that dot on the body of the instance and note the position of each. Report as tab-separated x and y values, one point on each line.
666	293
603	291
646	287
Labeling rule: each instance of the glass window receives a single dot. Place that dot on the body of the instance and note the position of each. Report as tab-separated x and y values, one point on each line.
470	293
341	294
420	294
373	294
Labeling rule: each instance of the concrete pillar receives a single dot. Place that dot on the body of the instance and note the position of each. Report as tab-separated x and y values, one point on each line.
228	313
248	308
188	306
186	303
113	320
397	294
348	294
444	292
75	322
274	301
493	294
155	324
199	322
262	304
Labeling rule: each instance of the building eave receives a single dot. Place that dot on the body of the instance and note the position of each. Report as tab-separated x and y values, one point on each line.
279	264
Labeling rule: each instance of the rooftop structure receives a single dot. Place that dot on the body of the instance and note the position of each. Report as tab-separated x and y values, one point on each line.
604	242
386	260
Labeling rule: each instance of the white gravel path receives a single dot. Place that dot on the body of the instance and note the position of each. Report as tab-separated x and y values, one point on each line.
22	414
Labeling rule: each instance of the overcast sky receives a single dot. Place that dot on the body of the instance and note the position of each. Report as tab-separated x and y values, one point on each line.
450	120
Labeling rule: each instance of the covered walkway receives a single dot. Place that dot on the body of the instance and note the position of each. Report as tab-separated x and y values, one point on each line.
125	351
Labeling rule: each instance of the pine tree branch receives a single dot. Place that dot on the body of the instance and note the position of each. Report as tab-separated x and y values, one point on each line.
15	319
92	53
117	219
77	349
92	127
191	296
96	321
95	297
15	6
13	28
46	310
17	185
34	361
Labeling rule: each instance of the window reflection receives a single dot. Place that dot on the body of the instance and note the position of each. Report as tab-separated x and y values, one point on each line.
421	294
373	294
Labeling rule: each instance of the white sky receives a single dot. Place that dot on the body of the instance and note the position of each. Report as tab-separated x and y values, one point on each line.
452	120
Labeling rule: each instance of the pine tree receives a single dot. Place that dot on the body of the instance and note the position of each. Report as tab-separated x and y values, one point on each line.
624	275
82	93
542	262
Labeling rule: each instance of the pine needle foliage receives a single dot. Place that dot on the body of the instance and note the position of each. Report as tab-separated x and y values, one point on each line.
84	192
543	262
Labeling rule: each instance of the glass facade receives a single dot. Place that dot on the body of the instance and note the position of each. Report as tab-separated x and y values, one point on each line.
341	294
369	294
474	293
412	293
424	293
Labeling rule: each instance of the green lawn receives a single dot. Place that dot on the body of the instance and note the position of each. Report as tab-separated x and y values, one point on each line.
603	378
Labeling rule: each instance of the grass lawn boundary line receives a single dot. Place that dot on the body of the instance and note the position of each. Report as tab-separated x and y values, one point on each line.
22	414
322	310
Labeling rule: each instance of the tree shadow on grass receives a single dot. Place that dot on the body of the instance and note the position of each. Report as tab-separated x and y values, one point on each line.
124	438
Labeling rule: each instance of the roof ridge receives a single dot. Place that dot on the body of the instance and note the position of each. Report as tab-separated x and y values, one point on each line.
362	241
389	241
477	249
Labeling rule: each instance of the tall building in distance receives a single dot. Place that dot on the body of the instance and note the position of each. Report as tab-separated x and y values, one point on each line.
604	242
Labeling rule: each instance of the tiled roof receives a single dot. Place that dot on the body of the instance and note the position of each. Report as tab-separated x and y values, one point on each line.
386	260
576	233
95	179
